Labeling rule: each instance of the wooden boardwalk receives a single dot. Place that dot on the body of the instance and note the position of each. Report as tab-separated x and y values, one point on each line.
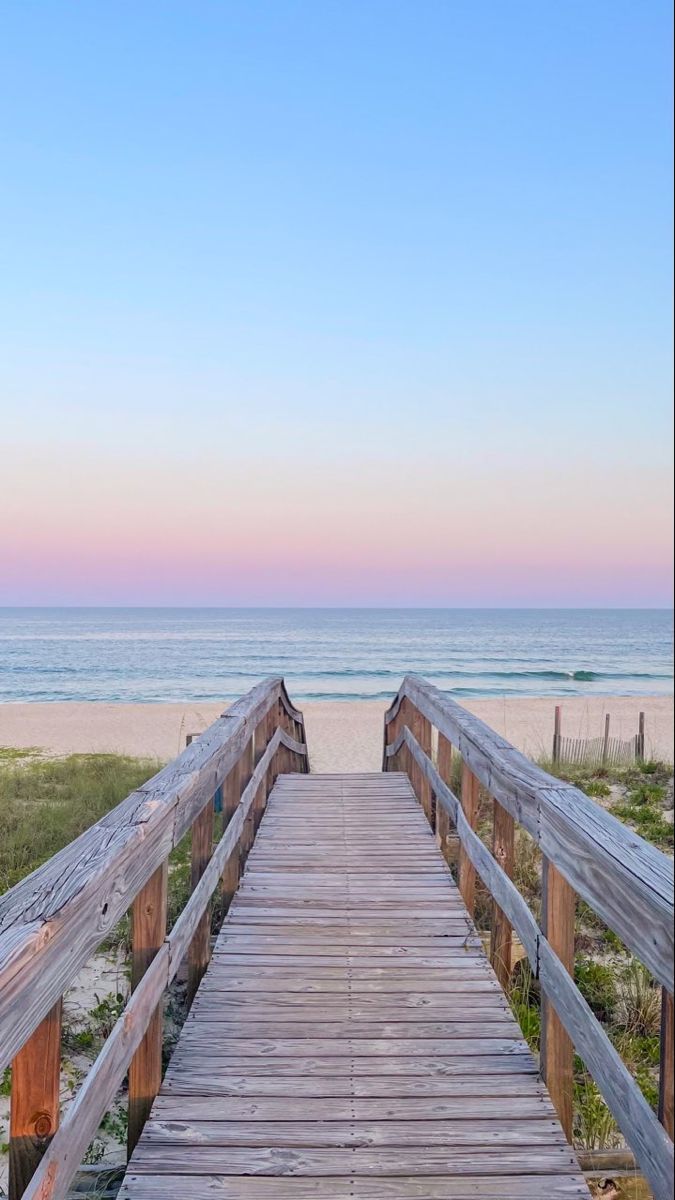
349	1039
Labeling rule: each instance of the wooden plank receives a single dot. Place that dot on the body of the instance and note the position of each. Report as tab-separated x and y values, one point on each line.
313	1130
496	1187
557	1049
430	1160
342	1037
148	930
482	1092
230	878
34	1103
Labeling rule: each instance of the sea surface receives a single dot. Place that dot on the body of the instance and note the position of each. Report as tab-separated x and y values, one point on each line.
146	654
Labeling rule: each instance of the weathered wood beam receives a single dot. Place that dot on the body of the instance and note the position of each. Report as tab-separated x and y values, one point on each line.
64	1154
467	870
638	1123
557	1049
148	930
34	1102
445	772
501	939
585	842
53	921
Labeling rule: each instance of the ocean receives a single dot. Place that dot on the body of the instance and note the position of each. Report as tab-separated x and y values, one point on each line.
151	654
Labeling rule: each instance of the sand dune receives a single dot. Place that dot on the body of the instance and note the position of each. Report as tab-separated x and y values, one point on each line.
342	735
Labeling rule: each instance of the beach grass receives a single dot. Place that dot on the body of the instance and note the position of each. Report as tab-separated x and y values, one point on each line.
47	802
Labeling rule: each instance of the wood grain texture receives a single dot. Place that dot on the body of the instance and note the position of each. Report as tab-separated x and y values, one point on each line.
148	930
557	1049
34	1107
344	1032
442	820
586	844
501	939
200	854
467	870
639	1124
666	1083
53	920
62	1158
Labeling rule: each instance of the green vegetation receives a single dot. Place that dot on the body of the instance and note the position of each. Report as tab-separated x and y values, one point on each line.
46	803
638	793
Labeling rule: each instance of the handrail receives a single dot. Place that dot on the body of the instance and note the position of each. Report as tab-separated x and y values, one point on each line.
52	921
586	843
578	828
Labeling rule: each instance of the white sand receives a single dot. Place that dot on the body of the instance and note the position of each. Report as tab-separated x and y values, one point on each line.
342	735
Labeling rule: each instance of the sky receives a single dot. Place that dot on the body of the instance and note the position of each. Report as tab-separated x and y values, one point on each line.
353	302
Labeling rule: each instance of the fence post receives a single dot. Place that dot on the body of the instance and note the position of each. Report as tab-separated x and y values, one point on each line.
666	1096
557	724
148	930
605	742
641	738
445	772
34	1103
467	871
557	1051
503	848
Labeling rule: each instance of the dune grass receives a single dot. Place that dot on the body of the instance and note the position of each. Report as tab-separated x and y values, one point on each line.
46	803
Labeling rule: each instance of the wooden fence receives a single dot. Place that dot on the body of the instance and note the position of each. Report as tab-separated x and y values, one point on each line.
56	918
597	752
586	852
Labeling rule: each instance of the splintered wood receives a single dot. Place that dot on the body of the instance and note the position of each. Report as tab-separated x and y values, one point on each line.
349	1038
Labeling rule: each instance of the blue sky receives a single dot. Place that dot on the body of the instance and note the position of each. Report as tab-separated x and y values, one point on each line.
360	235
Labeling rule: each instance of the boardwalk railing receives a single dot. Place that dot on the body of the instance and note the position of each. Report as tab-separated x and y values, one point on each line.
56	918
587	853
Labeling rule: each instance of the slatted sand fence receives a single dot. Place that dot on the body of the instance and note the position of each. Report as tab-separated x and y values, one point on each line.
350	1038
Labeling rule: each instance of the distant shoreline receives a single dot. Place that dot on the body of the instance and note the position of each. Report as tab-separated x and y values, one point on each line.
342	734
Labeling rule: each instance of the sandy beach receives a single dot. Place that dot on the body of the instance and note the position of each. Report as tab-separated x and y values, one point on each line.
342	735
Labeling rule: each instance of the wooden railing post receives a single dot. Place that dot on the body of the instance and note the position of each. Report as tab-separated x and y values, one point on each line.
34	1103
391	732
442	817
230	877
467	871
148	930
246	767
202	849
557	1051
666	1097
420	728
503	848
